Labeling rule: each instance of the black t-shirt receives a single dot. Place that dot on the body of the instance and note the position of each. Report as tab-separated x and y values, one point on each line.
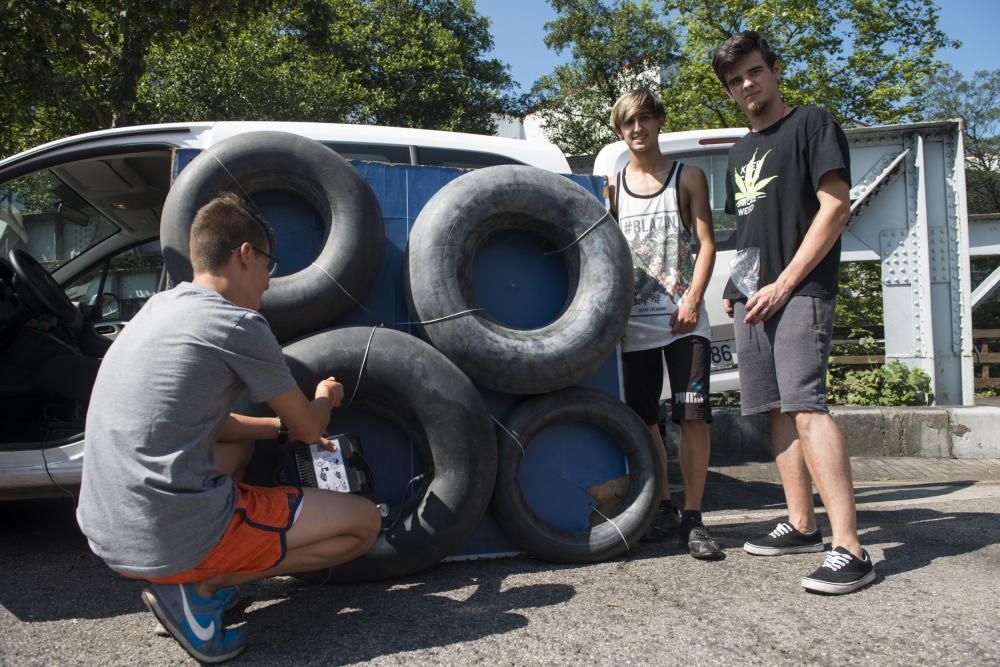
771	183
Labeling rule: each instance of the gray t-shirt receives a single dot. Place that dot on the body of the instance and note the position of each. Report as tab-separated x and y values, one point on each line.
152	502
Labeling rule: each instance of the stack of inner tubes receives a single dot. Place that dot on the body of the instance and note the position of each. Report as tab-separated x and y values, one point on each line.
546	362
433	391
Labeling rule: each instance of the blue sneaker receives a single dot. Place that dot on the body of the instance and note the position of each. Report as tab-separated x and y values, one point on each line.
194	622
229	597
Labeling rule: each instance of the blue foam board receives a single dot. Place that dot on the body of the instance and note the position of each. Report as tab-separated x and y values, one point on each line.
519	285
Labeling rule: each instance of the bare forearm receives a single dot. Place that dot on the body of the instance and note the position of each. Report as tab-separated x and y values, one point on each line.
242	427
834	213
319	418
703	268
307	420
823	233
696	208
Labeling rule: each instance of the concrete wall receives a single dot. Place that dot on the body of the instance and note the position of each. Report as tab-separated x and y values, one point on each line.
949	432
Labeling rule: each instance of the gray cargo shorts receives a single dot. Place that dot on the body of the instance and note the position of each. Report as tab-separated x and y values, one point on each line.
783	361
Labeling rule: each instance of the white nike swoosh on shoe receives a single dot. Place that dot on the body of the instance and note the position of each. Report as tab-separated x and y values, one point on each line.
204	633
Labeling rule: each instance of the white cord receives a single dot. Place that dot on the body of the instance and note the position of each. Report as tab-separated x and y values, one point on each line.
508	432
580	237
608	519
445	317
342	288
361	370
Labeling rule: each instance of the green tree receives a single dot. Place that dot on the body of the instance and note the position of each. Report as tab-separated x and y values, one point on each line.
977	103
861	59
859	304
615	47
71	66
389	62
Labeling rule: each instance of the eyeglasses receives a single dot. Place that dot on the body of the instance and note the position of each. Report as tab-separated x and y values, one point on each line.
272	261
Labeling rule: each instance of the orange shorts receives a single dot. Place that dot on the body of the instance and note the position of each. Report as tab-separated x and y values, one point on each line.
255	538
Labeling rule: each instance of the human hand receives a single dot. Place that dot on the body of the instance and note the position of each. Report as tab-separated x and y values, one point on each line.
327	444
765	303
727	305
331	390
684	319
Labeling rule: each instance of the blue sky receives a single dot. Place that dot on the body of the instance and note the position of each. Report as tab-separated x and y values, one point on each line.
518	32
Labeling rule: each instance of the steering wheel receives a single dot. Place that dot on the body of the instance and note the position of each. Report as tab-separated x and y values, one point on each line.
40	292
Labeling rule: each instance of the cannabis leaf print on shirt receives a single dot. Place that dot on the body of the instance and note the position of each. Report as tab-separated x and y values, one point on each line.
750	188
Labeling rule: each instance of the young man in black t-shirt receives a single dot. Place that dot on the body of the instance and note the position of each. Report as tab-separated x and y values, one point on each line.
788	183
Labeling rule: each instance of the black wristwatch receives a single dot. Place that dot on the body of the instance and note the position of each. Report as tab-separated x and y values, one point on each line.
282	432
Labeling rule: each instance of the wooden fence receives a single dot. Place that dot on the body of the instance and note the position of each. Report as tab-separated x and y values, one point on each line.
982	339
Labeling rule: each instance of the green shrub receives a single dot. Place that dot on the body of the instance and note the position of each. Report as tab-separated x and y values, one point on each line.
725	399
895	383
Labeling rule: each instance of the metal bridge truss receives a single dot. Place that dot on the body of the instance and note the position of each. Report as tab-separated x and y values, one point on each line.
909	213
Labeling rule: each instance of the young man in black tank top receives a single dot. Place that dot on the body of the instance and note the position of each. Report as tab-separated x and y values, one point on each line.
664	213
788	182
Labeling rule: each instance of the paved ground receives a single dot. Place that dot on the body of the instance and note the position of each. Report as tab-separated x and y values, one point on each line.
873	469
935	538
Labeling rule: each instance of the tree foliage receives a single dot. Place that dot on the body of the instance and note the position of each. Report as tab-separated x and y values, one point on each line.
859	303
388	62
74	65
615	48
860	59
70	66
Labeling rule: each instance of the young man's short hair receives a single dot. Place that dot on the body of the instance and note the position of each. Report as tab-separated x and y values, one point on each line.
633	102
739	45
222	224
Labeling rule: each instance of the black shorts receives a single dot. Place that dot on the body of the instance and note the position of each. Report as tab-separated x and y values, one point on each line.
689	368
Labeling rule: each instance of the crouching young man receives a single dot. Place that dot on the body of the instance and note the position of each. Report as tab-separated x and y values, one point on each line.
160	498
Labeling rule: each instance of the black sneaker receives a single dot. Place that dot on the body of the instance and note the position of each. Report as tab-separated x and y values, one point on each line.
784	539
666	523
841	572
699	543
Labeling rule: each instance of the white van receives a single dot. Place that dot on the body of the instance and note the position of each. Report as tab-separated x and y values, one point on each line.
80	217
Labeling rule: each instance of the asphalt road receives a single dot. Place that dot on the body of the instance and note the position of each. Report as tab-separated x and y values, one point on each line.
936	600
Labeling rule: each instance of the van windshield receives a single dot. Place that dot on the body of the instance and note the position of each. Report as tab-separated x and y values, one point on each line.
43	216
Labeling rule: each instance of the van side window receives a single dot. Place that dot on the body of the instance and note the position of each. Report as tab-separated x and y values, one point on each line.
724	224
449	157
117	288
371	152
